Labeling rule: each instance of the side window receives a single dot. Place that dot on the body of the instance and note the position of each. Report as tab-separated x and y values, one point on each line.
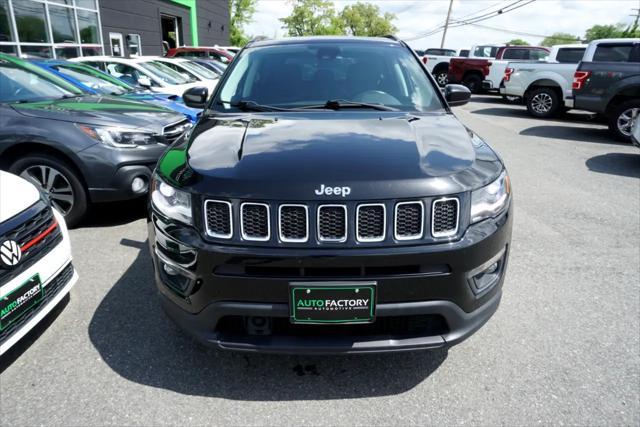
613	53
538	54
515	54
570	55
124	72
95	64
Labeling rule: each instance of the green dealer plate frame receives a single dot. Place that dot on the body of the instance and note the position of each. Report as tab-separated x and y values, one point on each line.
332	302
9	314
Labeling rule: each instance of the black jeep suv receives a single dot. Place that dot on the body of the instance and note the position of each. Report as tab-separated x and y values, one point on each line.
328	201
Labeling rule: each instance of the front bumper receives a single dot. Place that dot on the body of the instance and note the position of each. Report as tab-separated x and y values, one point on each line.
225	285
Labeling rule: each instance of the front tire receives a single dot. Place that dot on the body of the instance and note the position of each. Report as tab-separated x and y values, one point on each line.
442	77
543	103
56	178
622	118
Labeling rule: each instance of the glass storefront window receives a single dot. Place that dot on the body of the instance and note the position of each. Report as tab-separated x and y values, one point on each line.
36	51
69	2
63	25
31	21
91	51
88	23
89	4
11	50
5	26
67	52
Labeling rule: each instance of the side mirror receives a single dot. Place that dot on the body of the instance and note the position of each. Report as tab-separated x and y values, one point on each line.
196	97
144	81
456	95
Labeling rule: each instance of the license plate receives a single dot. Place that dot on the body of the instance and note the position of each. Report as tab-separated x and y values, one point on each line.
19	301
332	302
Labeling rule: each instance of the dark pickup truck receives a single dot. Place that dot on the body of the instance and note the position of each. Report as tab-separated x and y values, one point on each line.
484	68
607	81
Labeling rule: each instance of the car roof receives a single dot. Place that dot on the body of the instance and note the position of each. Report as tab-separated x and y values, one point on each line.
322	39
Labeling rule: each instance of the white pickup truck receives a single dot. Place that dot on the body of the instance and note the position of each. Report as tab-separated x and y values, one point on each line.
437	62
531	54
544	86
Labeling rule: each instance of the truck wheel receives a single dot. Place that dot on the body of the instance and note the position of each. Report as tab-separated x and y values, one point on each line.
543	103
622	118
58	180
473	82
442	77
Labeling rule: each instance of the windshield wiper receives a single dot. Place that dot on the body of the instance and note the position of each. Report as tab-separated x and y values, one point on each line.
338	104
252	106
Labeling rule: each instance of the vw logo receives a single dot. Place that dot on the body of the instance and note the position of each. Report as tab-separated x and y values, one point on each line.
10	253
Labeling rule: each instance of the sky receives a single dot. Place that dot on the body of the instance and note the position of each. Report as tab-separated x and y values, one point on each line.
416	17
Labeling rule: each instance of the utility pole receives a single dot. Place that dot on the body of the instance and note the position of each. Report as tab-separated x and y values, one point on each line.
446	24
636	16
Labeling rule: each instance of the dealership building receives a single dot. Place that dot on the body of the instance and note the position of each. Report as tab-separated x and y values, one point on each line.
71	28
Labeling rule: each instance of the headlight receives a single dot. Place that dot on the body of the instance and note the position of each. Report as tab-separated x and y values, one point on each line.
171	202
118	137
489	201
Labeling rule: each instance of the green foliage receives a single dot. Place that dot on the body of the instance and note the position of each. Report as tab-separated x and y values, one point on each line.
241	13
318	17
560	38
518	42
618	31
364	19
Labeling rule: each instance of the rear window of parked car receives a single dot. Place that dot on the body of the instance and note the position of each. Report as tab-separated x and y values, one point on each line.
570	55
626	52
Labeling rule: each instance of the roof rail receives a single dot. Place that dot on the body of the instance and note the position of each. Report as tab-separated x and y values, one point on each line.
257	39
392	37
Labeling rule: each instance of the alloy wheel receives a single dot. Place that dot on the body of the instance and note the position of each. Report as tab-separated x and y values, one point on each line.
442	79
626	120
541	103
54	183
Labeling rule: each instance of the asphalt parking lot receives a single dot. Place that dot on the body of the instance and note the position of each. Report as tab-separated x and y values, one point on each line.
563	348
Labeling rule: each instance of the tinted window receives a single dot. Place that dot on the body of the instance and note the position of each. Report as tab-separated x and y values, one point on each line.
441	52
538	54
296	75
63	24
570	55
613	53
96	81
30	20
88	24
516	54
5	28
485	51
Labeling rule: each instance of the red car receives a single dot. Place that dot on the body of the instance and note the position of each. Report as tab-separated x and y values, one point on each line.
201	52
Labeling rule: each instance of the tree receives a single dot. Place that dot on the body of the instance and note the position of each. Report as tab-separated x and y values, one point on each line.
604	32
518	42
364	19
312	17
560	38
241	13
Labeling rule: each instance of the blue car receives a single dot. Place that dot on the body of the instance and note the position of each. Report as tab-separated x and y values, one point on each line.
93	81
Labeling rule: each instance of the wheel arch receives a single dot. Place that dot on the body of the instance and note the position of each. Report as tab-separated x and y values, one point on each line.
629	93
544	83
441	67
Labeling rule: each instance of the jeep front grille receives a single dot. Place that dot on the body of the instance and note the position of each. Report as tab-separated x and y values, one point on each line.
389	222
173	131
294	223
445	217
255	222
332	223
219	219
371	223
409	221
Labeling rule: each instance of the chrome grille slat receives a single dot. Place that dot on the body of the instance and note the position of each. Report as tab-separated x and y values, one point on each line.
409	220
255	221
293	223
371	222
445	217
218	219
332	223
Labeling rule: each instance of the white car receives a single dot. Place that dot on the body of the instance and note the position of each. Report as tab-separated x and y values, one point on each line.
437	62
189	69
35	259
140	71
233	50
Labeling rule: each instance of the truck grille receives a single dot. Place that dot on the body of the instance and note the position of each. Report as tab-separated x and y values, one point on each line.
219	219
445	217
390	221
332	223
370	223
255	224
409	223
294	223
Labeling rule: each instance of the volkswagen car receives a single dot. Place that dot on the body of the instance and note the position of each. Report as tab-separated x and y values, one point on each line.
329	201
36	272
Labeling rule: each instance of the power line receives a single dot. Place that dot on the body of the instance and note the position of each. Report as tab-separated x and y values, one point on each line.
520	33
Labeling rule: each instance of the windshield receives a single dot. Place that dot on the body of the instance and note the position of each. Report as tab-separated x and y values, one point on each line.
485	51
95	80
166	74
18	84
200	70
299	75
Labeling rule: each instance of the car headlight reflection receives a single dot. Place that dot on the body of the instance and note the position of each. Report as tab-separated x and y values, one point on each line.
489	201
171	202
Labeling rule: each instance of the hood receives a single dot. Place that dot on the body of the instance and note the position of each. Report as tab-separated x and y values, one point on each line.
16	195
171	102
288	156
102	111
